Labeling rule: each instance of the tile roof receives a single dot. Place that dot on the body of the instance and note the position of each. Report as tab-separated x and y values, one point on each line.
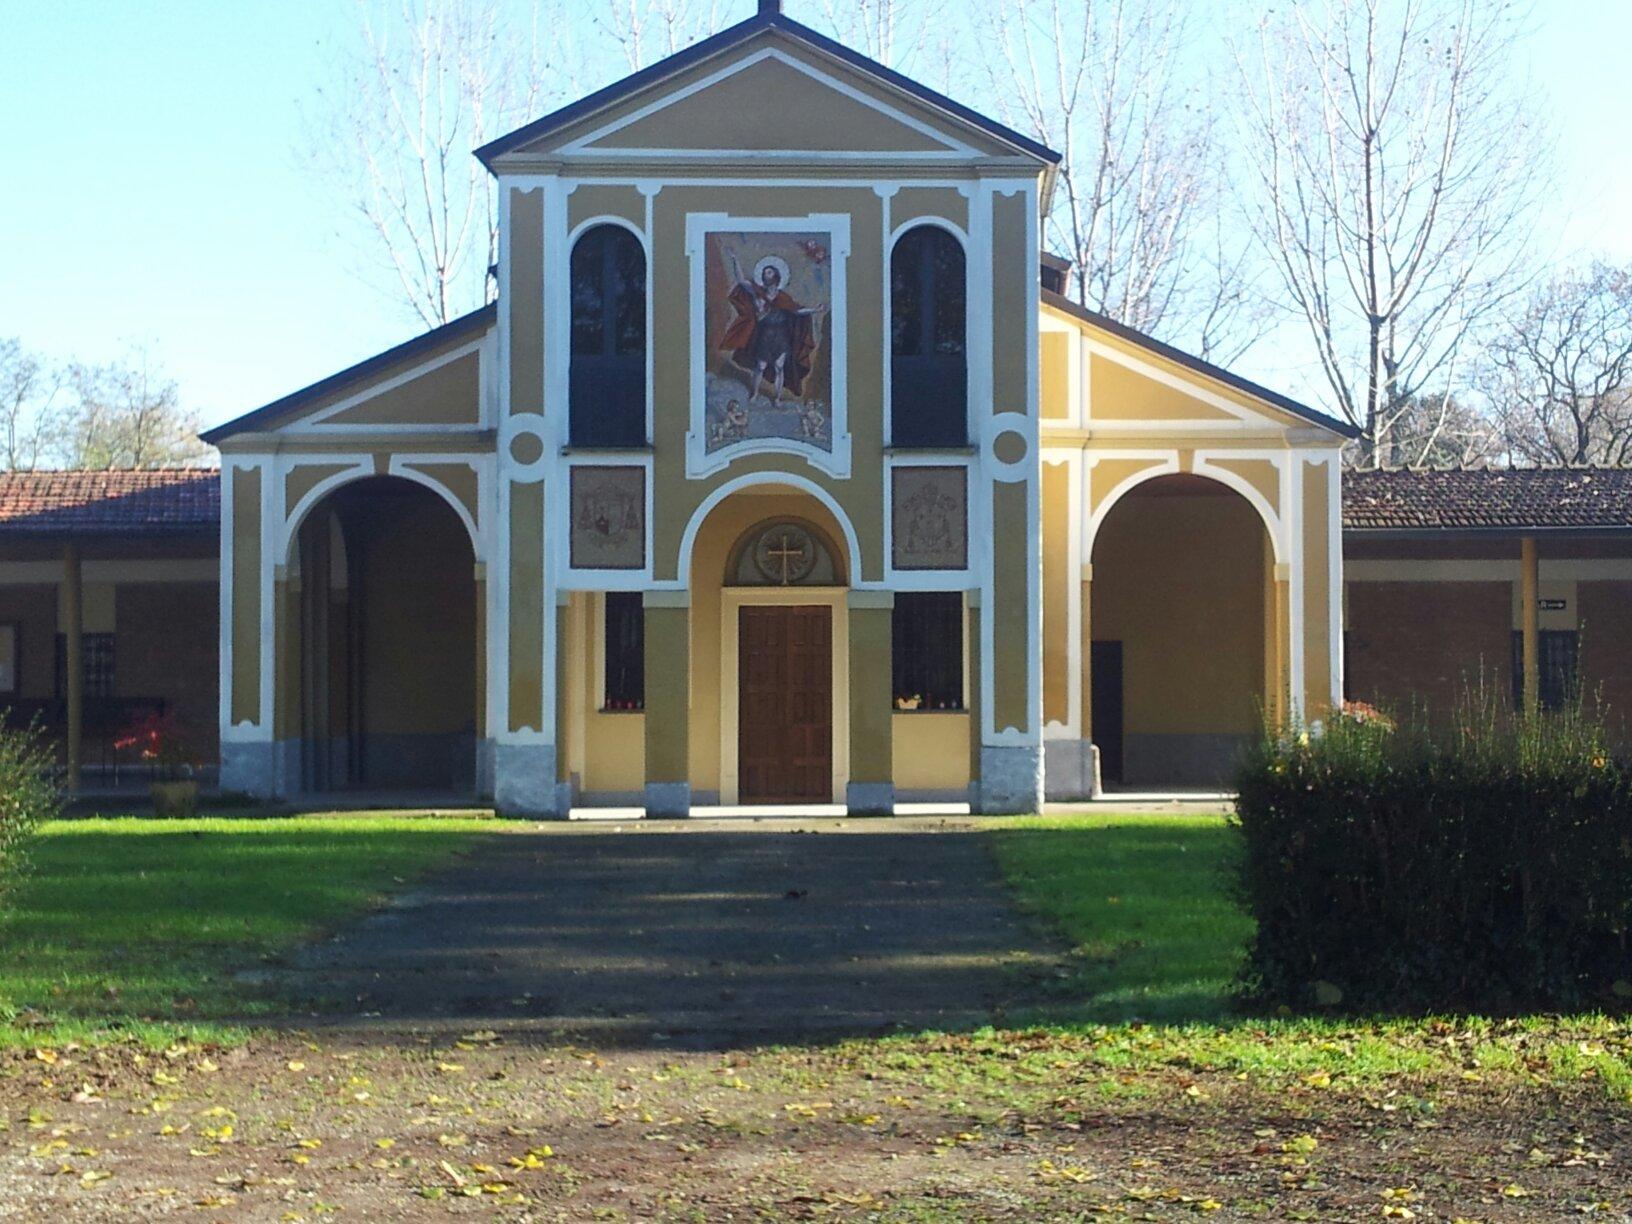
1539	499
181	499
120	502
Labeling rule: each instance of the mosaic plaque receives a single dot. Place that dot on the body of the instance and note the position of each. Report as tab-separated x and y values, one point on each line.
608	517
929	518
769	365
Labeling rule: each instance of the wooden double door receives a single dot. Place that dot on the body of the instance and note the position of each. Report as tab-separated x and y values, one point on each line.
785	704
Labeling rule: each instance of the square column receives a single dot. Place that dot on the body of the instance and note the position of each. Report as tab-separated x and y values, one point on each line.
871	789
1530	623
668	703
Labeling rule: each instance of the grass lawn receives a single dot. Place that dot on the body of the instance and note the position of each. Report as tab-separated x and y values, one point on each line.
133	926
1134	1090
1157	941
1146	904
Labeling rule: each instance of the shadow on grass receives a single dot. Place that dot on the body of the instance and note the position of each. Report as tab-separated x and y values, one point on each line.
1147	906
131	924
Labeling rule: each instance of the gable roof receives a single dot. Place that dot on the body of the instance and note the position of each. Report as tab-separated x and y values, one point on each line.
113	502
1512	500
470	325
1191	362
768	18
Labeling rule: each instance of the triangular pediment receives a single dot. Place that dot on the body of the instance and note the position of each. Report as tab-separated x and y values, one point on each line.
764	88
768	103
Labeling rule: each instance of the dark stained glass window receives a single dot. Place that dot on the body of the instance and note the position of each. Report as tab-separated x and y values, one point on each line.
927	650
929	385
625	651
607	391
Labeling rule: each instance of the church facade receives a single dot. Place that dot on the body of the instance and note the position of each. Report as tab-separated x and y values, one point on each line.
779	472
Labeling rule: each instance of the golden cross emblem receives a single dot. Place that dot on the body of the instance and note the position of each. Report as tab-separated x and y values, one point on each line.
785	554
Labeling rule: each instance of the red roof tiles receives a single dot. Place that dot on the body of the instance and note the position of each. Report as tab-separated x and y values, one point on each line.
175	499
1540	499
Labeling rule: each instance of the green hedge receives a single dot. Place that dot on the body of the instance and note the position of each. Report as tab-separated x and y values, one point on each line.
1488	868
28	795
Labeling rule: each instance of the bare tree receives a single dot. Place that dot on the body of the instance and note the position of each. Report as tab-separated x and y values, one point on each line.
432	80
1138	196
1396	168
645	31
1560	373
128	414
31	407
1443	430
889	31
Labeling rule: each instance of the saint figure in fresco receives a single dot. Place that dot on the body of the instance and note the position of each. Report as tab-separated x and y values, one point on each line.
771	332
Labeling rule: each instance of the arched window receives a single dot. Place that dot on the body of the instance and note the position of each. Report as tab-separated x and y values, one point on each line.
607	383
929	381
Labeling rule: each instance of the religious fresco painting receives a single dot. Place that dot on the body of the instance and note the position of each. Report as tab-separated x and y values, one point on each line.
929	518
608	517
768	299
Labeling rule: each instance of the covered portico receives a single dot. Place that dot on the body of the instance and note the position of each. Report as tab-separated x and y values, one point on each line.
1192	572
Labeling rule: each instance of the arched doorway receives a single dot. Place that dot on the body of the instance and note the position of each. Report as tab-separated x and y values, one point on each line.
770	568
1182	623
387	638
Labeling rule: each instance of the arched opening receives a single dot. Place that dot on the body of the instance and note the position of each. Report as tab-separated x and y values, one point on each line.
929	378
386	636
607	373
770	631
1182	625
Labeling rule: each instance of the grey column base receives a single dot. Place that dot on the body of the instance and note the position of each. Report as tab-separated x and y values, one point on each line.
289	754
869	799
1070	770
524	782
1011	781
668	800
249	768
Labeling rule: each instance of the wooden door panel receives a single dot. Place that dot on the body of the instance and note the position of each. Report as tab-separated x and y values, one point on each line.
785	704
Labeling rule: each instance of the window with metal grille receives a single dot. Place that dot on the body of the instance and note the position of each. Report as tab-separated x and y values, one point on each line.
606	396
1557	650
625	651
927	650
929	379
96	651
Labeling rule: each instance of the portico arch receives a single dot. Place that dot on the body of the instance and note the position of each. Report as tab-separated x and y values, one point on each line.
723	609
1187	629
379	656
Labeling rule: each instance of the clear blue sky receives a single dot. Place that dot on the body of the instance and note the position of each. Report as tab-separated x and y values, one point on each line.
152	186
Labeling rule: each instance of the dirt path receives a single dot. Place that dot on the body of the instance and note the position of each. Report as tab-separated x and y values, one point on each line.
710	933
1007	1127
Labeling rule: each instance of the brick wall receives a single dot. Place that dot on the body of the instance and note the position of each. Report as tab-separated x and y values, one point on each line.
33	609
1428	642
1606	652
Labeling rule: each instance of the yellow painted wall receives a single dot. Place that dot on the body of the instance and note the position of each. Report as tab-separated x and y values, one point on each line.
611	758
1179	580
930	751
245	491
1056	527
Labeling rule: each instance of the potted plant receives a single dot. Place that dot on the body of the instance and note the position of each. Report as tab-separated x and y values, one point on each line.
159	740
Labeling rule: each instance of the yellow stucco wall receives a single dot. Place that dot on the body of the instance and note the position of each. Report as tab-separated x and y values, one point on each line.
1057	511
930	752
245	493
